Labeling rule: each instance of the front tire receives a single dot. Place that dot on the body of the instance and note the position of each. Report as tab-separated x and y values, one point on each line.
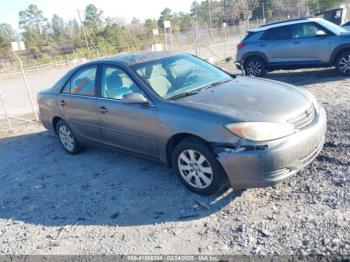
67	138
254	66
343	63
197	167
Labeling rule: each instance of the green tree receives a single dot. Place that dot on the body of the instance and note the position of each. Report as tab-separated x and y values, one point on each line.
165	15
58	27
185	21
151	24
119	37
7	35
35	27
208	12
93	18
73	33
322	5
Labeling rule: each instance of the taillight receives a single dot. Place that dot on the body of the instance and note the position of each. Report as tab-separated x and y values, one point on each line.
240	46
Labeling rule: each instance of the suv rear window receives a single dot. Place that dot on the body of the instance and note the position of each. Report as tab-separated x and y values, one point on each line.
277	33
248	35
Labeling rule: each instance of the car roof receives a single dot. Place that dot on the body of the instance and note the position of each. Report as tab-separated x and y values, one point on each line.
284	23
140	57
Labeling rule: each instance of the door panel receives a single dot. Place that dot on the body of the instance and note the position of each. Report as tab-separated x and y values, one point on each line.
275	43
306	46
80	113
77	104
127	126
276	51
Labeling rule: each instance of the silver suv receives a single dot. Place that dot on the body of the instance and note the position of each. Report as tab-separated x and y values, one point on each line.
300	43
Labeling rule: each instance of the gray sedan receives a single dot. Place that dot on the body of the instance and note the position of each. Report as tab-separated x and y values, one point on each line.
212	127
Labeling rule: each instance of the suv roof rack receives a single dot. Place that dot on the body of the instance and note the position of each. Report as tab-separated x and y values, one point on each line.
281	22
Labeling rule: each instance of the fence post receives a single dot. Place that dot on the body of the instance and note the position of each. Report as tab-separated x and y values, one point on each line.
5	112
225	33
26	86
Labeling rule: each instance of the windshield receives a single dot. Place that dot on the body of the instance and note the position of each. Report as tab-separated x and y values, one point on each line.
338	30
175	75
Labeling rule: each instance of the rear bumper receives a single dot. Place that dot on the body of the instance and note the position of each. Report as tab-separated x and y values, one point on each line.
275	161
238	65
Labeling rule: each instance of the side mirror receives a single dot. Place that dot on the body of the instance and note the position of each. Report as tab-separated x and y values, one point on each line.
135	98
321	33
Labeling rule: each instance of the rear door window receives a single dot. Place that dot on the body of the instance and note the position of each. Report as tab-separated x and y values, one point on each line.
277	33
83	82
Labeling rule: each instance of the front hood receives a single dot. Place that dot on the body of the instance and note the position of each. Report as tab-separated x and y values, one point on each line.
252	99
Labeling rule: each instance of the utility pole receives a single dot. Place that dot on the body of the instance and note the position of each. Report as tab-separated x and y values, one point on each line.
225	41
263	12
195	21
209	18
86	40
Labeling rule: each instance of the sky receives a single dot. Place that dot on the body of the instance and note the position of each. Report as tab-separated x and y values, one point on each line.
67	9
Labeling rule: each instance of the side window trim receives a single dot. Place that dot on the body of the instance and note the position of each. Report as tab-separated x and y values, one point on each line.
316	25
264	36
68	81
112	65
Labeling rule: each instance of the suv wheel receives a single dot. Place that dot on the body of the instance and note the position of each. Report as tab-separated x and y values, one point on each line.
67	138
255	66
197	167
343	63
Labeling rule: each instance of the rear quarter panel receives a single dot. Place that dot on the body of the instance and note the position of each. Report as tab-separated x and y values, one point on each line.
47	108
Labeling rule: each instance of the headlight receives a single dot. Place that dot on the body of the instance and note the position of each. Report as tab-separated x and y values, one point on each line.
260	131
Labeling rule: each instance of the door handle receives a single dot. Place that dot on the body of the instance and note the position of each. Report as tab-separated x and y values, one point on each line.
103	109
63	103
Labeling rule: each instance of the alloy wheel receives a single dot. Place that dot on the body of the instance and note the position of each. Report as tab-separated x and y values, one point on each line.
195	168
254	68
344	64
66	138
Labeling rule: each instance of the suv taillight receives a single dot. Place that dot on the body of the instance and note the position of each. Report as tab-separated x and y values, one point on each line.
240	46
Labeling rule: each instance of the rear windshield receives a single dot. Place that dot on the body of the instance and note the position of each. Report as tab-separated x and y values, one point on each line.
248	35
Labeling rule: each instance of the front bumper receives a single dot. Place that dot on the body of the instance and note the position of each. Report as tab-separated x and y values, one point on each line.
266	164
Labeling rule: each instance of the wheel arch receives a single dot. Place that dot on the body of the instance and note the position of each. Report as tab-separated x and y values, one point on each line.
54	123
256	54
175	140
338	51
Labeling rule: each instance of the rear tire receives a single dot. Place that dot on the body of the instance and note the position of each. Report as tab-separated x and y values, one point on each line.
254	66
197	167
342	63
67	138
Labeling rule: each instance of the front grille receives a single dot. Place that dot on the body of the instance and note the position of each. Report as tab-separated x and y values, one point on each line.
304	119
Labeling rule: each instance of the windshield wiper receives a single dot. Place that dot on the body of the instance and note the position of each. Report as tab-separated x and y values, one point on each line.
198	90
189	93
214	84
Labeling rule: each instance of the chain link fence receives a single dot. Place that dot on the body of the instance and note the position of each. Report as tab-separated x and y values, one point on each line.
24	73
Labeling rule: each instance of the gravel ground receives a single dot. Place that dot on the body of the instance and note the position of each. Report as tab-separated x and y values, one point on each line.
106	202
